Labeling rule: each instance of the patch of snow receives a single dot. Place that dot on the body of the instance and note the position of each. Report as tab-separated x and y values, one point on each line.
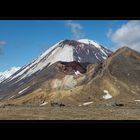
11	97
106	51
20	73
77	73
103	52
6	74
137	100
104	57
107	96
44	103
87	41
79	58
97	57
87	103
23	90
81	45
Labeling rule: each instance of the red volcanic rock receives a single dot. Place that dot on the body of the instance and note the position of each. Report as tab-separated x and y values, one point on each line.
73	66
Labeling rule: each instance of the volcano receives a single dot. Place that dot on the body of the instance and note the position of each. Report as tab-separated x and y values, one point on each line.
72	55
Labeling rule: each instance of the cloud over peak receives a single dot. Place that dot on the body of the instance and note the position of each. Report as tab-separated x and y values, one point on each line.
2	44
76	29
127	35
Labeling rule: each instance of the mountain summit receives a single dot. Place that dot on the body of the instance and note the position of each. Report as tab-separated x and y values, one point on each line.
82	51
67	57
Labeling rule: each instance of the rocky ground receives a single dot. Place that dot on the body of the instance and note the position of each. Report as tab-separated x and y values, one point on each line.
70	113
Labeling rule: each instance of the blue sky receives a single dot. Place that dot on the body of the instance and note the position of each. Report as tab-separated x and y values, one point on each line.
21	41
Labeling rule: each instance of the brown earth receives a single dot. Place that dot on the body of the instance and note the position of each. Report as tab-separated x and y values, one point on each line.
69	113
119	75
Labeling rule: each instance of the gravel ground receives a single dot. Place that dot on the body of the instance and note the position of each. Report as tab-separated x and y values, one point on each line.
69	113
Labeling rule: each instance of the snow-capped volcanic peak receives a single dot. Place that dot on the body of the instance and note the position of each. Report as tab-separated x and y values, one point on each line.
83	51
87	41
6	74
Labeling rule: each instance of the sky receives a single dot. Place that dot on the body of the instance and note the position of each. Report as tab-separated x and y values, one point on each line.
21	41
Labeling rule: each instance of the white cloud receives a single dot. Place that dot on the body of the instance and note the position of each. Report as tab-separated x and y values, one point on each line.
109	33
76	29
127	35
2	44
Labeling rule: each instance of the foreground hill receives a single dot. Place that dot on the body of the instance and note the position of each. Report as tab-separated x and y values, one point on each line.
113	82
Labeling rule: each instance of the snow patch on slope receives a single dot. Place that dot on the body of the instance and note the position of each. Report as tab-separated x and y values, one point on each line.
6	74
137	100
23	90
87	41
107	96
43	103
77	73
103	52
11	97
87	103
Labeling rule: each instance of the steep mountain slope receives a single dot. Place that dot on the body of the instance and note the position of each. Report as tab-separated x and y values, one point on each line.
118	77
6	74
45	66
113	82
67	51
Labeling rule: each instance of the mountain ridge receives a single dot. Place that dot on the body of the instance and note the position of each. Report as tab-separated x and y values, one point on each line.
64	51
7	73
114	79
73	52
